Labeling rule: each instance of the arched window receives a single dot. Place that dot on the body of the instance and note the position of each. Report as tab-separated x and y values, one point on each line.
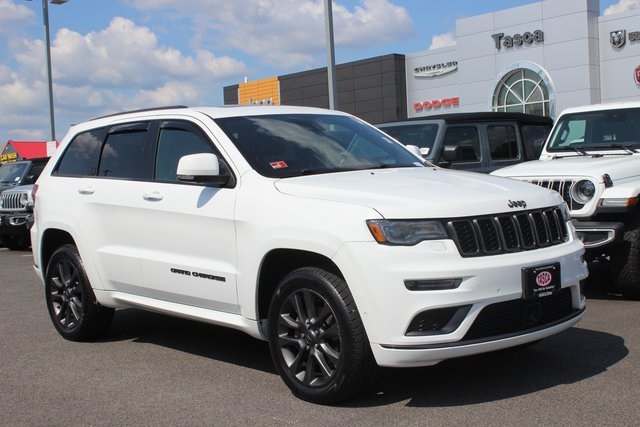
522	91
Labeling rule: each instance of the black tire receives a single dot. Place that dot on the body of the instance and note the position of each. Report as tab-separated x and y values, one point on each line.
316	337
626	262
72	306
17	244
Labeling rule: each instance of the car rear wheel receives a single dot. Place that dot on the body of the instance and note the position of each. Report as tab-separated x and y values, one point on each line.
72	306
317	340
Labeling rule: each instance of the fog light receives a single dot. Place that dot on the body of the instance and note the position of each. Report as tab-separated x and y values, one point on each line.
438	321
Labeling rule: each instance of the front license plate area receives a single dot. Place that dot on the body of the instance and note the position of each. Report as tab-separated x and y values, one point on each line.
540	281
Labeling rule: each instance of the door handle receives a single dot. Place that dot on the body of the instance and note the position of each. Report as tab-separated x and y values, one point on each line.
86	190
153	196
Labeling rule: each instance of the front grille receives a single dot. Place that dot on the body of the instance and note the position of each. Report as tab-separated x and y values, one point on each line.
11	201
515	316
562	186
502	233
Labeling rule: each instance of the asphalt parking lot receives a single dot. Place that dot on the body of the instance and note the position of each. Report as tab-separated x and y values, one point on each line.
157	370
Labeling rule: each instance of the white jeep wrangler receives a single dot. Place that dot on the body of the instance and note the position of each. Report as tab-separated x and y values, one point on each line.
592	158
308	228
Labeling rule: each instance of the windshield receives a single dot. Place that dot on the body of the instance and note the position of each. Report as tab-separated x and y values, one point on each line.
286	145
12	172
597	130
420	135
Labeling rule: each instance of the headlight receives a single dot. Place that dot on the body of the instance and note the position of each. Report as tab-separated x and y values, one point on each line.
406	232
583	191
24	199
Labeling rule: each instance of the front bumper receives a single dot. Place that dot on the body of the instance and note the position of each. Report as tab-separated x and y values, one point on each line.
489	312
16	225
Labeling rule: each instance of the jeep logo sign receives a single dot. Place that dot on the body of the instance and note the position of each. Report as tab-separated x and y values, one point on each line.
518	39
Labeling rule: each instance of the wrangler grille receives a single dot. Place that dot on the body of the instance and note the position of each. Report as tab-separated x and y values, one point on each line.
11	201
562	186
496	234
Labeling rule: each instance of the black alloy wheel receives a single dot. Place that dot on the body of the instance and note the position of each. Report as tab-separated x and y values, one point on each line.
316	337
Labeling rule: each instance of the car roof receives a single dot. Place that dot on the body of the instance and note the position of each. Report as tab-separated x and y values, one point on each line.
475	117
601	107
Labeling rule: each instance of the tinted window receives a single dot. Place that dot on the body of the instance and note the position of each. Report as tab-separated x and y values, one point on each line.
466	138
124	156
502	142
82	155
33	175
533	139
173	144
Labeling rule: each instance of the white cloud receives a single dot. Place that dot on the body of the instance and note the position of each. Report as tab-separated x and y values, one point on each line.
13	15
622	6
443	40
287	34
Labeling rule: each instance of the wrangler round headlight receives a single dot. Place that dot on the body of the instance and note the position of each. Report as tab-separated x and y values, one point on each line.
24	199
583	191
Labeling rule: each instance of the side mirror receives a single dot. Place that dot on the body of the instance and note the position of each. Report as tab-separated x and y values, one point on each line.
450	153
202	168
415	150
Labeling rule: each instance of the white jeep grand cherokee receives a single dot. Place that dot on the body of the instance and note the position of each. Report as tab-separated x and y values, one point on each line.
304	227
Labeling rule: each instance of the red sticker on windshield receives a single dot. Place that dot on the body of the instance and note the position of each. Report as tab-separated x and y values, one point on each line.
278	165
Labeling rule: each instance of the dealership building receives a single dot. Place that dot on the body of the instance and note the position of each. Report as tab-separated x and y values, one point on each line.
538	58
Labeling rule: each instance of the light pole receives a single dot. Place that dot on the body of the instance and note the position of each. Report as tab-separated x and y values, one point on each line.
47	42
331	59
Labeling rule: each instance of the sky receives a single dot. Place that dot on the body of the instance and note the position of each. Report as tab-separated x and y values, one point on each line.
116	55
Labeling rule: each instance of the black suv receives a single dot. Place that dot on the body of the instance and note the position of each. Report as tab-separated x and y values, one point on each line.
16	183
477	142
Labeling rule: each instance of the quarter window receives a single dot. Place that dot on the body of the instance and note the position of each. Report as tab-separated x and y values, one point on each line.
82	156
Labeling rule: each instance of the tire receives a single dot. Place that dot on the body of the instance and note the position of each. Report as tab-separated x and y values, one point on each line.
317	339
72	306
626	262
17	245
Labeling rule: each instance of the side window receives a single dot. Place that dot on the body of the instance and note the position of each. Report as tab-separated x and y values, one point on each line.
173	143
82	155
465	141
33	175
502	142
125	153
533	139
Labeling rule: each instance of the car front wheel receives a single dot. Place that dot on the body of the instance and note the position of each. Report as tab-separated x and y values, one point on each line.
316	337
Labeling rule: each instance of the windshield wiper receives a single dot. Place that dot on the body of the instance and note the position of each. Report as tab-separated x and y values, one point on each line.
630	148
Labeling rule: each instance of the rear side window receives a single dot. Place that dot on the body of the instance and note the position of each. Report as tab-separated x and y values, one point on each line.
467	140
125	154
533	139
82	155
503	144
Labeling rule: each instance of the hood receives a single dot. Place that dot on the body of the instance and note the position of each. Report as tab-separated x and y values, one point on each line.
616	166
420	192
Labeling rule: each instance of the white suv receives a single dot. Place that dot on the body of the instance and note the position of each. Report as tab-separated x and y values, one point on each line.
304	227
592	158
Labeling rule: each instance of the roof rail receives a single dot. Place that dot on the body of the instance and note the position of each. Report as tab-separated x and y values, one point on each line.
141	110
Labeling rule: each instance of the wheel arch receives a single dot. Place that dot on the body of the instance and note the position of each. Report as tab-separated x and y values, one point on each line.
278	263
51	240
